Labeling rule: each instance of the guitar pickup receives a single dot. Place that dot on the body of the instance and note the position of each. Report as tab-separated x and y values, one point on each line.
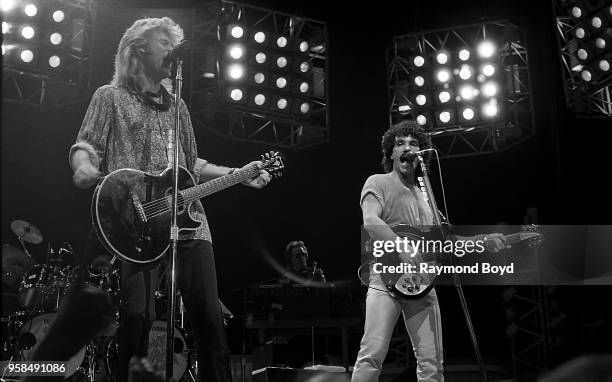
139	209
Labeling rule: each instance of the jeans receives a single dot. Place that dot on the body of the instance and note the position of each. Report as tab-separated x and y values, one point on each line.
197	280
422	320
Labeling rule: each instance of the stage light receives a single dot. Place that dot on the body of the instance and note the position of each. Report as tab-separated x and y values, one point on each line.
27	56
7	5
236	52
576	12
261	58
421	120
596	22
3	49
237	32
488	70
304	107
490	108
259	78
443	75
5	27
444	117
27	32
304	87
489	89
303	47
467	92
30	10
421	99
236	71
281	62
281	82
259	37
600	43
54	61
304	67
468	113
281	42
55	38
604	65
464	54
586	75
419	61
580	33
58	16
236	94
282	103
466	72
442	58
486	49
419	81
444	96
259	99
404	108
582	54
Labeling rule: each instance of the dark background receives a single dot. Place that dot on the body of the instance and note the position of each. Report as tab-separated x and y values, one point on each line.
562	171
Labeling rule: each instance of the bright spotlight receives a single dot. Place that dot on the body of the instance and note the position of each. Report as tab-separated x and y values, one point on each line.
30	10
586	75
464	54
486	49
580	33
600	43
421	99
58	16
488	70
237	32
236	52
419	81
467	92
604	65
596	22
260	58
281	42
304	87
444	96
281	82
305	107
421	119
443	75
419	61
27	32
259	37
5	27
576	12
304	46
468	113
445	117
281	62
259	78
304	67
236	71
27	55
442	58
259	99
282	103
236	94
490	109
54	61
55	38
7	5
489	89
465	73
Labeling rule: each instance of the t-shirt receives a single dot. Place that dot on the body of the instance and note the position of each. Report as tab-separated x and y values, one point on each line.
121	131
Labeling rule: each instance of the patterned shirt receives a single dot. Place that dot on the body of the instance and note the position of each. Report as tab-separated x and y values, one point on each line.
121	131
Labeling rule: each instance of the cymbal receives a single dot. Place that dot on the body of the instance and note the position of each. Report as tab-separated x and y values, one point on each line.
26	231
15	263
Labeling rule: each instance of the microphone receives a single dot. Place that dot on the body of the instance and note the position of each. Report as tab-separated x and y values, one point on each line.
178	52
408	157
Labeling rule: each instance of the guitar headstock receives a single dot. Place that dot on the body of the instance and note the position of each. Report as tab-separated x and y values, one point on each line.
273	163
531	234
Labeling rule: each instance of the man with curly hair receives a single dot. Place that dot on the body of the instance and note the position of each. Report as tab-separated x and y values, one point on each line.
128	125
386	200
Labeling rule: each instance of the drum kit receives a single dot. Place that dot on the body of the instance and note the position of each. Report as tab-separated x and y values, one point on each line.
33	294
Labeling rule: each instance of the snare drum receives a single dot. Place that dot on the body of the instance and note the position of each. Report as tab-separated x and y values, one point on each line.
43	287
33	332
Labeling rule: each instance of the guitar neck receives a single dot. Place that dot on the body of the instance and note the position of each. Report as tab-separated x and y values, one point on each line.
218	184
513	238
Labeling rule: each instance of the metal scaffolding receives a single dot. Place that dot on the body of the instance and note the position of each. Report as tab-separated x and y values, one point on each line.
241	122
457	139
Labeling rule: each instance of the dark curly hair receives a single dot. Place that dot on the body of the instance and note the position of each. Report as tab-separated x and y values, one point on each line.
403	129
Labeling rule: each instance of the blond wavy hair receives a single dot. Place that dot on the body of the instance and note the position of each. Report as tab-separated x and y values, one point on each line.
129	69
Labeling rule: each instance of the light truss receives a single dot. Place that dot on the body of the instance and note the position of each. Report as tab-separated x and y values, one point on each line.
585	100
242	122
463	138
66	85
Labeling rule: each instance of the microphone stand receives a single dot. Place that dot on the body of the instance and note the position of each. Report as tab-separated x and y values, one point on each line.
174	230
458	287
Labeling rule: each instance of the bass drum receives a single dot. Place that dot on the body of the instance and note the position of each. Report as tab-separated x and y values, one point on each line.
157	351
34	331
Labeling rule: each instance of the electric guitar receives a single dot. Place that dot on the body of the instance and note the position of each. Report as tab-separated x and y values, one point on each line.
414	285
131	209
